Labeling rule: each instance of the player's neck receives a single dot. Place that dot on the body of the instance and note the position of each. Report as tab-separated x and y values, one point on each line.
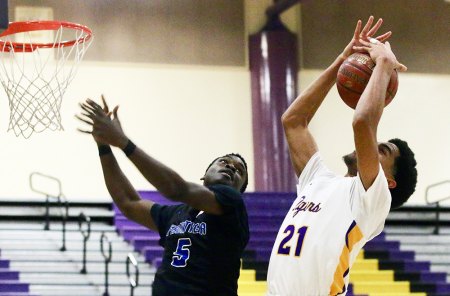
351	173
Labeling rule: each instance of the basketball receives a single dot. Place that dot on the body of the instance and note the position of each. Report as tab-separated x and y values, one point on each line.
353	76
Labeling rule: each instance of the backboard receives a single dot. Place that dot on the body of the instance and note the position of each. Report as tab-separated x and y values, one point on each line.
4	20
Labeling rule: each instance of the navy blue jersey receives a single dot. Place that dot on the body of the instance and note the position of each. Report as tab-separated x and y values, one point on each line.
201	251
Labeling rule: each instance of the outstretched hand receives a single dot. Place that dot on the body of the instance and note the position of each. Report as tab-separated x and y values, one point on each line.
379	51
106	127
367	32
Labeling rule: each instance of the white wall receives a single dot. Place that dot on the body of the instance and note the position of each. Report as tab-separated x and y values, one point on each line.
184	116
419	114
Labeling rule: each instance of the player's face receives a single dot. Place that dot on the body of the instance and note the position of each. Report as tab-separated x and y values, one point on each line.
351	163
227	170
387	153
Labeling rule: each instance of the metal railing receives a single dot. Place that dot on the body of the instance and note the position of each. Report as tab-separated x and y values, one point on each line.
436	202
108	257
60	198
134	282
86	233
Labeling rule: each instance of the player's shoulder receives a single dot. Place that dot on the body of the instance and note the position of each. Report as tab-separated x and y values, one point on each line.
379	183
169	209
228	197
315	167
224	190
316	162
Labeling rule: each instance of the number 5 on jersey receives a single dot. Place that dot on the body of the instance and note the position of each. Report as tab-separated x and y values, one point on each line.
181	255
285	245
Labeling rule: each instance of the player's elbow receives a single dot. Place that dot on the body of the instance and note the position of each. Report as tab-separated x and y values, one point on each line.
172	186
127	209
292	121
362	122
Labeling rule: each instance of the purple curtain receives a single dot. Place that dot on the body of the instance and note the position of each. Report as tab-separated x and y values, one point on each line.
274	68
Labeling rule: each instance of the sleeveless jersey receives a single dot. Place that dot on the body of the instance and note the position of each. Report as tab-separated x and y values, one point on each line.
326	227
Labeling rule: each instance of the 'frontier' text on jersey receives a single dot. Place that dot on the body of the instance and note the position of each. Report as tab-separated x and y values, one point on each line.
189	227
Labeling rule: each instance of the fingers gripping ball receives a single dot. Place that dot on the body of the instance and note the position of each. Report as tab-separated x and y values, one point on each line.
353	76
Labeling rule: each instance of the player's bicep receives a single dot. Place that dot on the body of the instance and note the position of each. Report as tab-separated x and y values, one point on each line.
367	153
302	147
139	212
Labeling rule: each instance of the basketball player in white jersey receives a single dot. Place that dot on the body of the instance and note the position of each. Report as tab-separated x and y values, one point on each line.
334	216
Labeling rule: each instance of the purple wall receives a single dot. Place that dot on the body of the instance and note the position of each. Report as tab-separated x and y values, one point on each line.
274	68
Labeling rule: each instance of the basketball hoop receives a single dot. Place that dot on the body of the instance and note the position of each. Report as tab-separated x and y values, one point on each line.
35	73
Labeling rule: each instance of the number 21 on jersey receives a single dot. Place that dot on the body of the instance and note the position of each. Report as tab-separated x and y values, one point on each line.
286	243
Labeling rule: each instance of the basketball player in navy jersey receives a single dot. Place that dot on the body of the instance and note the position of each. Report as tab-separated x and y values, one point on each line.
204	236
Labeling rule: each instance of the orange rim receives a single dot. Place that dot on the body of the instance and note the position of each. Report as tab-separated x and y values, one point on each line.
21	27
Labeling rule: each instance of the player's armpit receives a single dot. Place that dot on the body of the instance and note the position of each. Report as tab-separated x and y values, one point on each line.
139	212
302	146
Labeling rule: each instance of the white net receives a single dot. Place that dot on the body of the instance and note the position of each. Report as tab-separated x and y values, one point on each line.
36	81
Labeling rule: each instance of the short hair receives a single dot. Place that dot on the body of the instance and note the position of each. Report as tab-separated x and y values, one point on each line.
405	174
244	186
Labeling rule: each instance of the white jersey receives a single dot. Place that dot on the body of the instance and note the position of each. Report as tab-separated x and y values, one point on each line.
326	227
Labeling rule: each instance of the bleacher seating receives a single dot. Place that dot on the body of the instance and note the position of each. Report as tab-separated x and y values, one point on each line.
31	263
406	259
383	268
10	284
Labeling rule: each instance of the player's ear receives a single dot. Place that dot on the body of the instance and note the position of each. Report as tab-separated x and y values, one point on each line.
391	183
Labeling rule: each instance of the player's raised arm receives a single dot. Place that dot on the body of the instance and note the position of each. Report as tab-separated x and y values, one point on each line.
297	117
119	187
370	108
124	195
174	187
166	181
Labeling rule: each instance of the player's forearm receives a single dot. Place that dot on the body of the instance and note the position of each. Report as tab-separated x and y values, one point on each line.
305	106
118	185
163	178
370	106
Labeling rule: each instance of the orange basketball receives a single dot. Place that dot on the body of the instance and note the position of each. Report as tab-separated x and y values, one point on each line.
353	76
